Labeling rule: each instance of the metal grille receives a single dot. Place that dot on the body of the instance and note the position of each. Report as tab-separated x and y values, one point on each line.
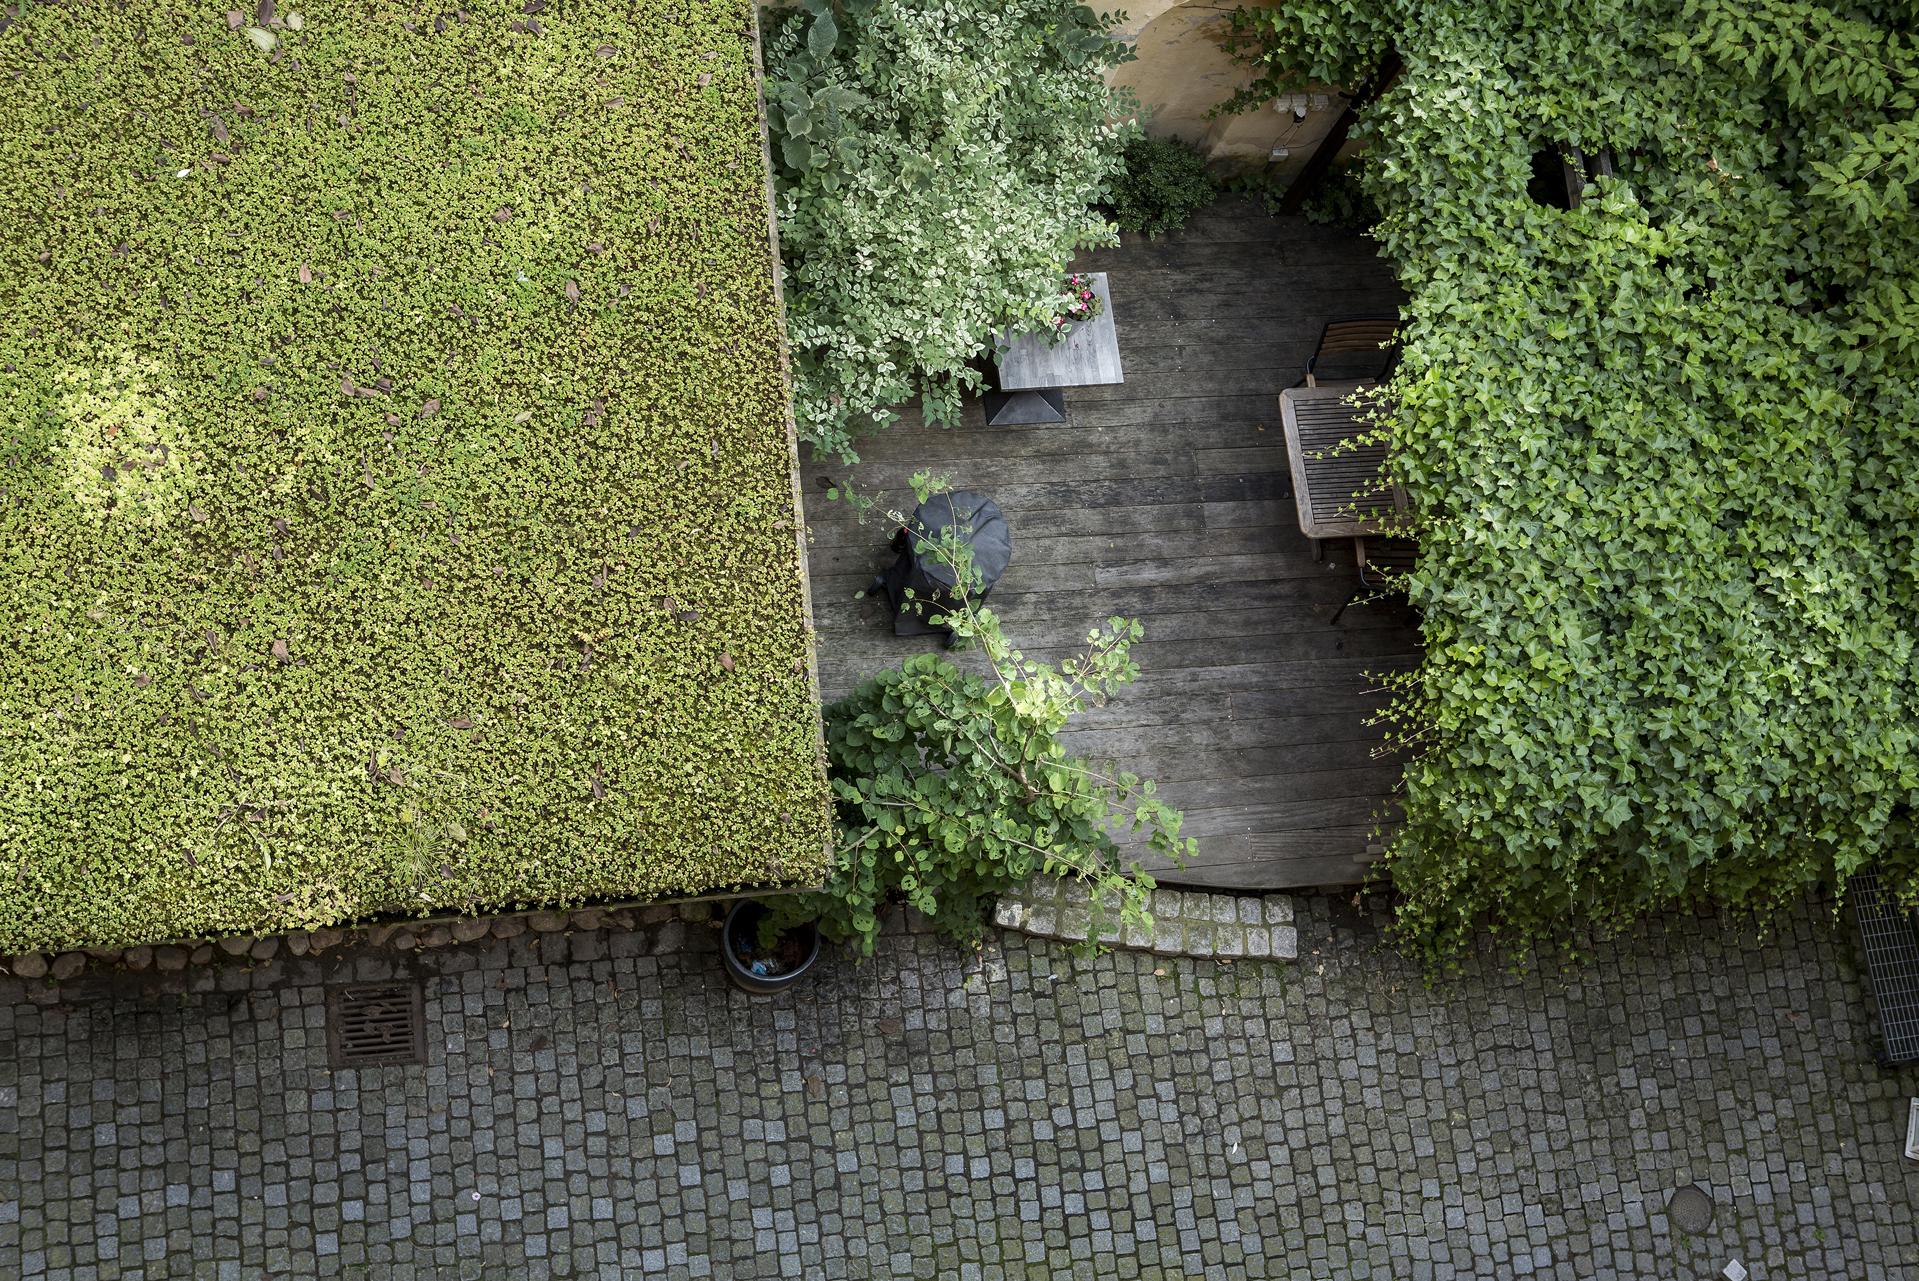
1690	1209
1891	940
376	1024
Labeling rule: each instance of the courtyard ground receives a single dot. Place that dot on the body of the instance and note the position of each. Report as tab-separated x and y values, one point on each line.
604	1105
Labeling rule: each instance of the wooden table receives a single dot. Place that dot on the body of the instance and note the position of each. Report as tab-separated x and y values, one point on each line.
1341	492
1034	372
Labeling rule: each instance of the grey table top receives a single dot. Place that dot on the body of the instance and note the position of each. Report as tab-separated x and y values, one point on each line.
1089	356
1339	488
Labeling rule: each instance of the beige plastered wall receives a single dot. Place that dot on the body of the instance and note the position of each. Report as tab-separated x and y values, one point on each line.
1180	73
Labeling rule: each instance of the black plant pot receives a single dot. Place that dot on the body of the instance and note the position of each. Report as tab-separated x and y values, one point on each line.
756	969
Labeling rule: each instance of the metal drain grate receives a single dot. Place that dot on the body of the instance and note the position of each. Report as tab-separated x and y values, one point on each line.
1891	943
1690	1209
376	1024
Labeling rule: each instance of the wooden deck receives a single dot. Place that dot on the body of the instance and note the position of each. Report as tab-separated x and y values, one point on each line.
1168	499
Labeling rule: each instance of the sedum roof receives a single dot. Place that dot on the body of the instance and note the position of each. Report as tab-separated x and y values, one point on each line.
397	507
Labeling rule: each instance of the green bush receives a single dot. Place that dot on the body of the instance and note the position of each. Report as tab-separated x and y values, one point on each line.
1165	182
938	162
395	504
1342	201
952	787
1664	447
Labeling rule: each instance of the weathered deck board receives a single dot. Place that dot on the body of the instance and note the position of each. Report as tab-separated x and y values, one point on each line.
1168	499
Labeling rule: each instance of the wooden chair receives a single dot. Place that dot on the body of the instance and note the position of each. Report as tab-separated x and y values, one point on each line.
1384	563
1355	336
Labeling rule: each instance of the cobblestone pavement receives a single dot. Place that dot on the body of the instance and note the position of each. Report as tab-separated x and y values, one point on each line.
1021	1112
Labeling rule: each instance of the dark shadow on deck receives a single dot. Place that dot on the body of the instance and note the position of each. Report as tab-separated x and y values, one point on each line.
1167	499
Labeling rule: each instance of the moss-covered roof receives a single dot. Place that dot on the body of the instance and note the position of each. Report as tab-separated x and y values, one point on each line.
396	493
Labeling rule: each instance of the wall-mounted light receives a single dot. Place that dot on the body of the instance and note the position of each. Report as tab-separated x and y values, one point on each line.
1298	104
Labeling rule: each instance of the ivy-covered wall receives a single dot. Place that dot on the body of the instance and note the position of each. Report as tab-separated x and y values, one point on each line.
1664	446
396	505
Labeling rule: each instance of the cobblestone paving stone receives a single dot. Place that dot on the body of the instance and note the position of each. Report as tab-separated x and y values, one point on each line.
1022	1112
1184	923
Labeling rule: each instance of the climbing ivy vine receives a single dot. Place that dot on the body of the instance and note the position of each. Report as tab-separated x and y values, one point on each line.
1663	446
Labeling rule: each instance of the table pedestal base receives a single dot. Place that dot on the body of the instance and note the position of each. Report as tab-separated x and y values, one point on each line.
1024	408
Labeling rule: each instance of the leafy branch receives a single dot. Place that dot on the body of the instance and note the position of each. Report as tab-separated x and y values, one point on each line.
952	786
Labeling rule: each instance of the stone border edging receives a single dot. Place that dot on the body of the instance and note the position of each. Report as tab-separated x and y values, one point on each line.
1224	927
1185	923
424	934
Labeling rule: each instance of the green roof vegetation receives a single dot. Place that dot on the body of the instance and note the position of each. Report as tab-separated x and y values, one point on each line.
396	497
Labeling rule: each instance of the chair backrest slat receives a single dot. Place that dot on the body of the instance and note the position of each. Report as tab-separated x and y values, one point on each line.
1382	559
1350	335
1357	335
